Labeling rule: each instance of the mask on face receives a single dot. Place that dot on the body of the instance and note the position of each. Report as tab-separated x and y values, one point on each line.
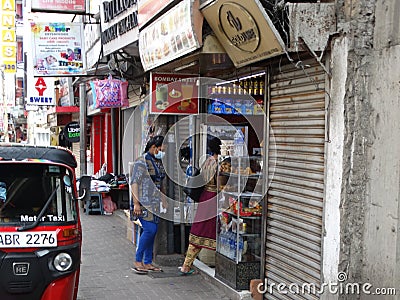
159	155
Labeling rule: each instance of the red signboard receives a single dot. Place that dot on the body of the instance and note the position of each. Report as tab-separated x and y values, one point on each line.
147	9
70	6
174	94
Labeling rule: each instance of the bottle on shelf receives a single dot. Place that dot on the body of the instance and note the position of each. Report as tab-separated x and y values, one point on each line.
250	86
261	86
245	86
238	141
255	86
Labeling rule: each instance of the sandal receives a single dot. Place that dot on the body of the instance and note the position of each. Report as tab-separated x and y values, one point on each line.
152	268
139	270
190	272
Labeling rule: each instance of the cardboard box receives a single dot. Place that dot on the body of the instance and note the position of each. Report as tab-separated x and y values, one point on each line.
254	283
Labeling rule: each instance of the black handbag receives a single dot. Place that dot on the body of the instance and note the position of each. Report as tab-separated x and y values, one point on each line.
194	185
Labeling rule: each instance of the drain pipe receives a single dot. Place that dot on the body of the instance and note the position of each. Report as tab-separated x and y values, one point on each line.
82	122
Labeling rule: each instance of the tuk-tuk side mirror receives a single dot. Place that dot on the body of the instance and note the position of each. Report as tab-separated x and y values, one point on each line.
68	184
84	187
67	181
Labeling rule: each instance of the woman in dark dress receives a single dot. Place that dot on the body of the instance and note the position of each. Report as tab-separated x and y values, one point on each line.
203	231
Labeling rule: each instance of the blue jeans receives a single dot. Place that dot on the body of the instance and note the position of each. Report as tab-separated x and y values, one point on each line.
146	242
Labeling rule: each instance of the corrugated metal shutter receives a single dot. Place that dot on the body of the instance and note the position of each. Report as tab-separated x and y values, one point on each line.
296	174
77	152
181	134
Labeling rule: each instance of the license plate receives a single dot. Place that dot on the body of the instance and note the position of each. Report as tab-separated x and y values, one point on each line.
28	239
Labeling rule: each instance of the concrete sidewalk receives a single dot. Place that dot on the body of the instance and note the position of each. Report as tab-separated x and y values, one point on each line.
107	257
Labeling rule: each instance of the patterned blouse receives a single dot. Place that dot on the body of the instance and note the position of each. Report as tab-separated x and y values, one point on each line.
148	173
209	172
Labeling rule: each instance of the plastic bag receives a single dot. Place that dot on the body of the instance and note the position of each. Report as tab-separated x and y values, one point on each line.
108	205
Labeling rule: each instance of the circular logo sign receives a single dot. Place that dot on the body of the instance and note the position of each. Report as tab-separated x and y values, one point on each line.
239	27
72	132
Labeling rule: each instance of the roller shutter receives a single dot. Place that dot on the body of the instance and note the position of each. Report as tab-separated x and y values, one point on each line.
181	135
76	150
296	175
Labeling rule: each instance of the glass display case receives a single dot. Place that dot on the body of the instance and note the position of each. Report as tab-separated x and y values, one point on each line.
240	196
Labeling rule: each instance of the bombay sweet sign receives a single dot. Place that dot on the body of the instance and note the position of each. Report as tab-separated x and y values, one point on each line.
175	94
245	31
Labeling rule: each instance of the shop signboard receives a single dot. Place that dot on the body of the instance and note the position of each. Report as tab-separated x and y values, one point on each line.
40	91
148	9
92	44
72	132
62	6
66	93
8	57
245	31
90	110
58	49
175	94
174	34
119	25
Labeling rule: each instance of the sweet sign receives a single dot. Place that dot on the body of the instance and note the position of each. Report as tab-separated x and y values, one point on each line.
174	94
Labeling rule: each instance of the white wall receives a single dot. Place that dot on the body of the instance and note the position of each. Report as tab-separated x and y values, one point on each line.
334	162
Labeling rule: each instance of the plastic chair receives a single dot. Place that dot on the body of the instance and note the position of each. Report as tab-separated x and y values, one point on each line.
95	203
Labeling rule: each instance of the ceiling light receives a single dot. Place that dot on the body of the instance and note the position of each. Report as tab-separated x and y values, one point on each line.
191	64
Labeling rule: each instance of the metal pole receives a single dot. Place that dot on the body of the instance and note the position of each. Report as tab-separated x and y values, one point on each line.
5	116
114	140
82	122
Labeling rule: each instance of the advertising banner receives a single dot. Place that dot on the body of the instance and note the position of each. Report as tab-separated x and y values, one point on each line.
58	49
171	36
244	30
119	25
147	9
40	91
66	93
72	132
175	94
62	6
8	56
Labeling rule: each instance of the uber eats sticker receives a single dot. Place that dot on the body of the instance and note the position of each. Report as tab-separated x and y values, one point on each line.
72	132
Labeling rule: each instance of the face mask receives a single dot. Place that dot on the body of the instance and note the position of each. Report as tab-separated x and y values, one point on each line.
159	155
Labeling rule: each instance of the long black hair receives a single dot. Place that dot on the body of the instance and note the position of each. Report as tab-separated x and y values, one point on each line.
155	140
213	145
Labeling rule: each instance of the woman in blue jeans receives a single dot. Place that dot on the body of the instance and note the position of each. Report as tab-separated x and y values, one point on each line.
147	175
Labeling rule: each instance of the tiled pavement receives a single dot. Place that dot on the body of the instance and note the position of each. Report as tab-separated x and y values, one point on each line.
107	257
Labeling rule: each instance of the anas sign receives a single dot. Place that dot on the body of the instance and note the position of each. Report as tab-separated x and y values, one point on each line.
245	31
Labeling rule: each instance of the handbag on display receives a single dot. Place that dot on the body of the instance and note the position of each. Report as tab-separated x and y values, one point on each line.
195	185
109	93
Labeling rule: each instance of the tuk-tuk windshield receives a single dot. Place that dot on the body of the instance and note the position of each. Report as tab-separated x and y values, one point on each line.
26	187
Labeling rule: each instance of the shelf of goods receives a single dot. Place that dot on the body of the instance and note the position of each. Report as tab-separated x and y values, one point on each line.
233	99
239	221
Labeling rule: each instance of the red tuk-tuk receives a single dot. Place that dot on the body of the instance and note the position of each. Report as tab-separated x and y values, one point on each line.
40	229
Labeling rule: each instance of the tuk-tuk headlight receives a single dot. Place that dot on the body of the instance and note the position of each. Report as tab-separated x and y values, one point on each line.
62	262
